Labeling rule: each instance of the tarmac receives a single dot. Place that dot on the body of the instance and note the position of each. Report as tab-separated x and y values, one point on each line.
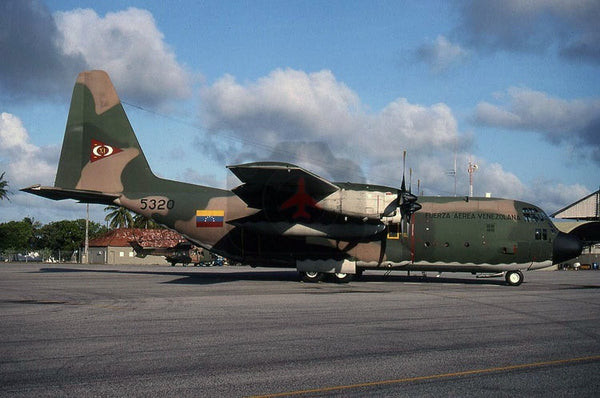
96	330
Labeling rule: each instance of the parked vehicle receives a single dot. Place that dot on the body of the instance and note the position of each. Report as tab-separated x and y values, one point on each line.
194	255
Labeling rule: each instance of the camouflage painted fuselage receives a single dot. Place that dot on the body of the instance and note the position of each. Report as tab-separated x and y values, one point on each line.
283	215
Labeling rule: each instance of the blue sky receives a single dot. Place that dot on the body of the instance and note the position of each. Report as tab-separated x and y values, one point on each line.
338	87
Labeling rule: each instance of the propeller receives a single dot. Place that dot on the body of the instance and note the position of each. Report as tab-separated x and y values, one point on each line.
406	201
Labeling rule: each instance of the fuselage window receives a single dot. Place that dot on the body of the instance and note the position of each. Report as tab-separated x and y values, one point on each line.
538	234
533	215
490	227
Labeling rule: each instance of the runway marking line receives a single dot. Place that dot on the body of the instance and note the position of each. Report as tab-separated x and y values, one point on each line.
431	377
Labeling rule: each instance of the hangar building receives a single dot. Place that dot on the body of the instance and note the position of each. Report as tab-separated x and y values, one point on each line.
584	216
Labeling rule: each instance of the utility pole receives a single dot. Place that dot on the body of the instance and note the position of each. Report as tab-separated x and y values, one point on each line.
87	240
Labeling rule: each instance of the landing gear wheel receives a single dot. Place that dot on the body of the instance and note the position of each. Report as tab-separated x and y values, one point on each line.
514	278
312	276
339	277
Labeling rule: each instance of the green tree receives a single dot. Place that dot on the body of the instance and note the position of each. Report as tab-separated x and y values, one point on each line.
119	217
35	231
16	235
67	235
3	188
94	229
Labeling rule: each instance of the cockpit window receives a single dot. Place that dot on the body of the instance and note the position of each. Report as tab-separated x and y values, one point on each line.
541	234
531	214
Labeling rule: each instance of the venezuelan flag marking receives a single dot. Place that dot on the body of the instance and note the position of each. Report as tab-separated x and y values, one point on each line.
209	218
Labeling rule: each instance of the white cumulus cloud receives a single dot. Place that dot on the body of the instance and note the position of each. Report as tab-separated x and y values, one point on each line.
558	120
47	51
23	162
291	106
281	106
317	122
26	164
129	46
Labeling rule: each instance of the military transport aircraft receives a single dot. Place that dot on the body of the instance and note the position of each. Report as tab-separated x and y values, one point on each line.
285	216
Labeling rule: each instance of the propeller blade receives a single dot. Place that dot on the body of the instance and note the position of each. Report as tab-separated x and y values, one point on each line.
405	200
408	197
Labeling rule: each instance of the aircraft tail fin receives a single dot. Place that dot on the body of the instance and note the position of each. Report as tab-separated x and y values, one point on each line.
99	141
101	157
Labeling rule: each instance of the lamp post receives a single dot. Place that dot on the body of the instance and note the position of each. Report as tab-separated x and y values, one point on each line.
472	168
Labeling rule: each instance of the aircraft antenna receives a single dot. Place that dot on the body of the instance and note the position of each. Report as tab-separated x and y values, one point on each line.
454	170
403	185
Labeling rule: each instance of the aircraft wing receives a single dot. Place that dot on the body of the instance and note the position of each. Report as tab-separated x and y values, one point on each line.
291	202
268	184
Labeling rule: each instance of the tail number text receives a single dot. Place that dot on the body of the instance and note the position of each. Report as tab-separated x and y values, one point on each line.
156	204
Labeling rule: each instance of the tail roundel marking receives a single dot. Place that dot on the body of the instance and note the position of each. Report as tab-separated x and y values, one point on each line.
101	150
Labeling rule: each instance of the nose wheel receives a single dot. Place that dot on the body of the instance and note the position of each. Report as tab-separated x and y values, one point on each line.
514	278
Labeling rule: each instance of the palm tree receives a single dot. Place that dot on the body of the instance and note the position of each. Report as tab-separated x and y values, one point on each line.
140	221
3	188
119	217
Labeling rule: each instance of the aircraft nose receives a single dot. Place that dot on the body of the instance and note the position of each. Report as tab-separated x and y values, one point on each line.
565	247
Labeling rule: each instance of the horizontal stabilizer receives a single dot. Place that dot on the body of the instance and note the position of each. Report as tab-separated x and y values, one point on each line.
83	196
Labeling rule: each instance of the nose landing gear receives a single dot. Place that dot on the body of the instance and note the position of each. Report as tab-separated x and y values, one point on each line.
514	278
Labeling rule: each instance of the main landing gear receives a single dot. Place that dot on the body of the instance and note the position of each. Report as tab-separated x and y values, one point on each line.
312	276
315	277
514	278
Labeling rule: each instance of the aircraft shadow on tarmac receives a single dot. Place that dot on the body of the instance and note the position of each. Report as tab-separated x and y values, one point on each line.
204	278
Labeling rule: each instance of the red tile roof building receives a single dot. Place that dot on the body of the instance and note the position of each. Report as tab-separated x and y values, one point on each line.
144	237
115	247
